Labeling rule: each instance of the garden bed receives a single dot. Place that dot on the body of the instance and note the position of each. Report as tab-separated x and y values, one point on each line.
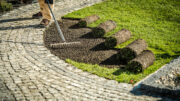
92	50
155	21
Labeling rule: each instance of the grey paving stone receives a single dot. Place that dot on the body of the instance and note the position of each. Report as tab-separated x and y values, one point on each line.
31	72
150	83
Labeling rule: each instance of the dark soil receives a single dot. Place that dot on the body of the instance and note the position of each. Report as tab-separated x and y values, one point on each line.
92	50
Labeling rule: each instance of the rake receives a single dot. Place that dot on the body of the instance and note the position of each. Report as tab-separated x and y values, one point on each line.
64	43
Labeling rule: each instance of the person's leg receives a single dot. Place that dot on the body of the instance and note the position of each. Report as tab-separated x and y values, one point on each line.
41	4
46	13
39	14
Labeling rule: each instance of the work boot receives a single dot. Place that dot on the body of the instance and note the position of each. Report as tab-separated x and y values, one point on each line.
37	15
45	22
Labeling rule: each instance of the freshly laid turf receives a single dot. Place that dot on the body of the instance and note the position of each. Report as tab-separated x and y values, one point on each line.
117	38
91	50
88	20
156	21
141	62
132	50
103	28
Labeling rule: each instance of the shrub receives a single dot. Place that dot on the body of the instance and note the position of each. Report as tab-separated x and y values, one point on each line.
26	1
178	76
4	6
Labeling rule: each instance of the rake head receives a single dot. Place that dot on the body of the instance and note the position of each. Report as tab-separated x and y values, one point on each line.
65	45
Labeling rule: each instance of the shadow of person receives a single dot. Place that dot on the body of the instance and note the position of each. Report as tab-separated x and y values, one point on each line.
14	19
23	26
25	43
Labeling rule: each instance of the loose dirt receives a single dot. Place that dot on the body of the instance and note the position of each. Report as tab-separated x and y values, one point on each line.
92	50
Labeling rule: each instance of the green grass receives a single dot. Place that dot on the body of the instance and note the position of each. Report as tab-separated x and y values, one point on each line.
4	6
156	21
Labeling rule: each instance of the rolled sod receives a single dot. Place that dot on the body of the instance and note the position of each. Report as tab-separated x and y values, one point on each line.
117	38
88	20
132	50
141	62
103	28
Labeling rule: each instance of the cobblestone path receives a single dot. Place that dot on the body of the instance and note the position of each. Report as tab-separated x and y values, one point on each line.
28	71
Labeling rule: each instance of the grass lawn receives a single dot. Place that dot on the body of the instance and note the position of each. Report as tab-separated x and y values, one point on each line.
156	21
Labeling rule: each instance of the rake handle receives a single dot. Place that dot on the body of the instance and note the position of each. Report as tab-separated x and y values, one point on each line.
57	25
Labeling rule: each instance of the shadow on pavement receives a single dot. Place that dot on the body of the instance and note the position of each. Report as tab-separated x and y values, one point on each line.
14	19
23	26
27	43
138	91
20	26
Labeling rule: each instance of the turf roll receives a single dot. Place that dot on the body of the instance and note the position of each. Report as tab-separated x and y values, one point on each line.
117	38
103	28
141	62
88	20
132	50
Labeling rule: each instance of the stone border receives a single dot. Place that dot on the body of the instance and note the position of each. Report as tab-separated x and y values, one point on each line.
29	72
149	83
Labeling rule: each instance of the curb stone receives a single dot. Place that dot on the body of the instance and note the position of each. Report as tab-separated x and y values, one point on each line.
31	72
149	83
